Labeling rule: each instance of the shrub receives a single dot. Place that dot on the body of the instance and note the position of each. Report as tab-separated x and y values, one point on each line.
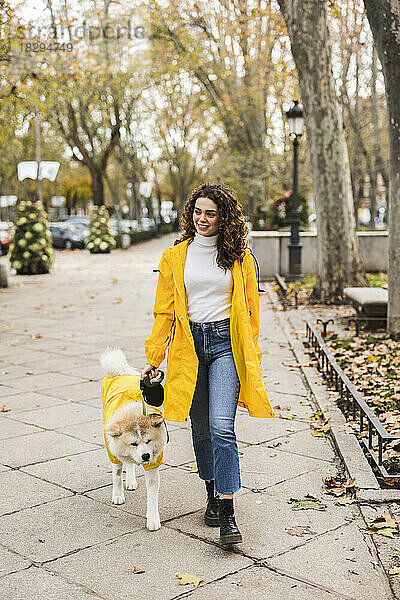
31	250
100	240
278	213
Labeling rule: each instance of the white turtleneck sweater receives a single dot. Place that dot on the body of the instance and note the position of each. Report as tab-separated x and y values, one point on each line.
208	287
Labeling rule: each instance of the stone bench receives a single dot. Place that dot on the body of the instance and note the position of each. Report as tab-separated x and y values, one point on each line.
370	304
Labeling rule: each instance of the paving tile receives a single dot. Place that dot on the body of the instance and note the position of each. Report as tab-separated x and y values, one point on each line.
33	383
95	401
262	467
64	347
36	447
339	560
305	444
254	431
5	392
11	371
284	383
78	392
80	472
264	518
20	490
92	372
174	553
179	449
9	428
290	404
62	415
39	583
172	503
52	530
55	364
10	562
258	583
18	355
91	431
18	401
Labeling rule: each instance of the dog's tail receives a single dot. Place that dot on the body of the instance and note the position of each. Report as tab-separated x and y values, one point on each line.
114	363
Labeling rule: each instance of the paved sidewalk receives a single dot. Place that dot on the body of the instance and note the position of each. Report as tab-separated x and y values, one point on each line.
60	536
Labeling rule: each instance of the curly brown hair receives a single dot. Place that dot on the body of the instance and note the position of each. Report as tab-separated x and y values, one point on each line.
232	228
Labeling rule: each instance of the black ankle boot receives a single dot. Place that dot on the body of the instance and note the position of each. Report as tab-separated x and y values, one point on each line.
229	532
211	516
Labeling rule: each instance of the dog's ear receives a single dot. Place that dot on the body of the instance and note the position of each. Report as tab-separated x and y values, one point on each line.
114	430
156	420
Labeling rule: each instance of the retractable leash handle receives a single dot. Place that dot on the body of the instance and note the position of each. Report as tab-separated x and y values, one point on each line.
155	380
152	389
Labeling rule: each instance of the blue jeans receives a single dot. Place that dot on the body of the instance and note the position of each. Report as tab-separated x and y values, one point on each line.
213	410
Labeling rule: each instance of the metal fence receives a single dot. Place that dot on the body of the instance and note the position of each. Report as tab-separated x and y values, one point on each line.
351	401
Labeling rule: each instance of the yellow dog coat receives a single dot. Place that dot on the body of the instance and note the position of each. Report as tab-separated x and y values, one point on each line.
115	393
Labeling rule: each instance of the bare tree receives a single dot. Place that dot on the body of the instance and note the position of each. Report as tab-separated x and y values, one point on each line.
233	48
384	19
339	262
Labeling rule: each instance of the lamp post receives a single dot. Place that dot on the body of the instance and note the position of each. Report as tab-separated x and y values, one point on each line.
295	120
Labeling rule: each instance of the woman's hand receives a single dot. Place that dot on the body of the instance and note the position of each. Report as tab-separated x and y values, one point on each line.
153	371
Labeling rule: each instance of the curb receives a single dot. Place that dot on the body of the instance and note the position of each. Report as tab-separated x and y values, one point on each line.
367	488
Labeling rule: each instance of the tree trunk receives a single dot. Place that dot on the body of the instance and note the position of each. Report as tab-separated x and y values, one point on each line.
97	184
384	19
379	160
339	262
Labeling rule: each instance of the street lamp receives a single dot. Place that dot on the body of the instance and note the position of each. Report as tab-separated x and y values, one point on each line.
295	120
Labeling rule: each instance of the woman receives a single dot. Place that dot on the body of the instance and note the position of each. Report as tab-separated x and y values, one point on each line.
207	311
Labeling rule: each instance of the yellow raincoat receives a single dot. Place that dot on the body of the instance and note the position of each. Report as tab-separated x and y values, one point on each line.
171	329
115	393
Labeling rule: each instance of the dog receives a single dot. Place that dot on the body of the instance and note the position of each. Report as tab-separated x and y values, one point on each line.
134	432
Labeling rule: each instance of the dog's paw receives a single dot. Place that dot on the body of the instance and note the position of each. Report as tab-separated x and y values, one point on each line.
153	523
131	485
118	499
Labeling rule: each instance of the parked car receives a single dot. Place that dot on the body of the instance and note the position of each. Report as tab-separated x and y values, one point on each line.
147	223
77	219
5	236
134	225
68	235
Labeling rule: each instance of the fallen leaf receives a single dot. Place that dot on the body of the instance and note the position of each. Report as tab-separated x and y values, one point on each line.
137	569
338	484
187	578
301	530
308	502
273	444
383	525
386	531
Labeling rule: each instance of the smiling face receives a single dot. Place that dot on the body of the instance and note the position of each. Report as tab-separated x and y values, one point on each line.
205	213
